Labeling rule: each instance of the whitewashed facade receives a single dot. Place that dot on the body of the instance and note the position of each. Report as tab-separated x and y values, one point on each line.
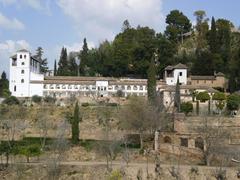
24	70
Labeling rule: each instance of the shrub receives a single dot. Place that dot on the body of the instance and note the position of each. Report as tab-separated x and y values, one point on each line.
119	93
219	96
12	100
115	175
186	107
233	102
203	96
85	104
49	99
112	104
36	99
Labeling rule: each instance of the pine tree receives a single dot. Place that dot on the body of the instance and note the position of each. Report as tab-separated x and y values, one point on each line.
63	68
213	37
151	83
84	57
4	76
44	62
126	25
76	119
177	100
55	68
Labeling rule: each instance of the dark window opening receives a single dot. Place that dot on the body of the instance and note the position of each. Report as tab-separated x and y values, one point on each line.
180	74
199	143
184	142
167	139
20	56
15	88
22	72
22	81
23	63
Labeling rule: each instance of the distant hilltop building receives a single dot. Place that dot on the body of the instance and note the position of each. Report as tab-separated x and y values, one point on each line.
26	80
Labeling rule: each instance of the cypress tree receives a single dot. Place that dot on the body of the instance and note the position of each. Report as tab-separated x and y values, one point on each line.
75	124
55	68
84	57
151	83
177	100
213	37
63	69
44	62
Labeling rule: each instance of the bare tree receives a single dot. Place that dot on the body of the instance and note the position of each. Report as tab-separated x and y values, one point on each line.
213	136
59	146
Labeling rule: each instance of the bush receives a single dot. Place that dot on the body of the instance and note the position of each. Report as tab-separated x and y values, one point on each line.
233	102
49	99
115	175
203	96
36	99
112	104
12	100
186	107
119	93
85	104
219	96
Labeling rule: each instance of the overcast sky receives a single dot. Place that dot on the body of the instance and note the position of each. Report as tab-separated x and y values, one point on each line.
52	24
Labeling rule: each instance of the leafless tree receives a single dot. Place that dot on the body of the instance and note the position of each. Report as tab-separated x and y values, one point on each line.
59	146
214	136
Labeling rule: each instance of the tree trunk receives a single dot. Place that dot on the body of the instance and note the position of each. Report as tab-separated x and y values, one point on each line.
141	140
209	107
197	108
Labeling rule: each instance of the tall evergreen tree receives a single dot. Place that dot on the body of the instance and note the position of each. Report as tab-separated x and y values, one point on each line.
75	120
151	83
55	68
84	58
213	43
126	25
177	97
4	85
44	62
63	68
73	67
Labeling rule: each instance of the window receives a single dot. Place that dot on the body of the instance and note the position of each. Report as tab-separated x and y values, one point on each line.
141	88
63	86
22	72
69	87
184	142
23	63
129	88
14	62
197	81
20	56
135	88
15	88
58	87
180	74
25	56
22	81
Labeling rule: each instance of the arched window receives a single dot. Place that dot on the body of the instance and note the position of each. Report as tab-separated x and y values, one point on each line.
22	71
22	81
199	143
129	88
15	88
25	56
167	139
20	56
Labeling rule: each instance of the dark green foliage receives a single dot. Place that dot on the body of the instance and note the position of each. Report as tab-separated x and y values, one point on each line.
75	119
55	68
73	67
4	86
204	59
84	59
219	96
233	102
178	24
63	68
151	83
186	107
213	41
44	62
177	100
49	99
203	96
126	25
29	151
36	99
12	100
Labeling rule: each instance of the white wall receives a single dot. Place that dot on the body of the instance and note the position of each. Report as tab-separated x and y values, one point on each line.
176	74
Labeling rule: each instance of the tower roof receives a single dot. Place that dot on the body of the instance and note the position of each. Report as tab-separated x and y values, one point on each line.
22	50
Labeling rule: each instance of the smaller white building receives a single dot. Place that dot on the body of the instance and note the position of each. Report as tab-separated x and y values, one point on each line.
25	76
173	73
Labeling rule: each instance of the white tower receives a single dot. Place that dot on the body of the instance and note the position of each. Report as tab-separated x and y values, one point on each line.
25	77
173	73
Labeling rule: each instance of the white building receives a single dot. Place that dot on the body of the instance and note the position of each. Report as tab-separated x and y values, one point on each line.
24	72
27	81
173	73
